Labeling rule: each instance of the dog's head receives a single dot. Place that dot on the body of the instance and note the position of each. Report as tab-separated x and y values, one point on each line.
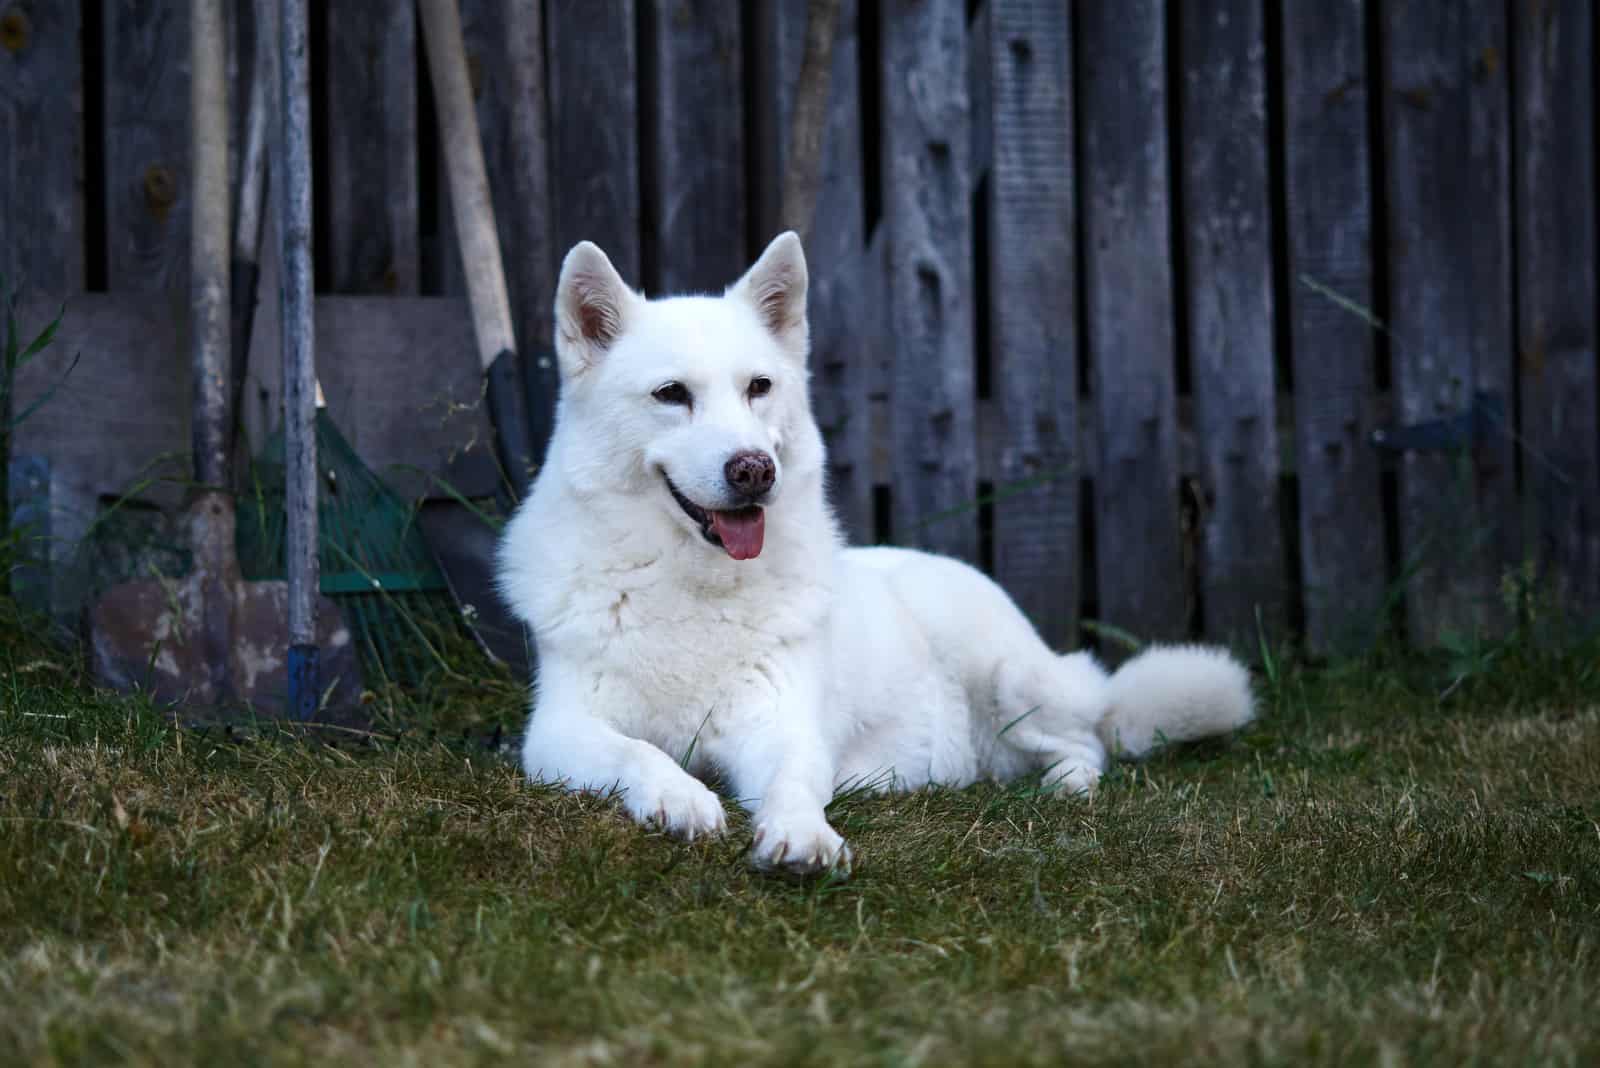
697	403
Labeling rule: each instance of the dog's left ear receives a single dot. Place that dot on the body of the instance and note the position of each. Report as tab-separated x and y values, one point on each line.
776	286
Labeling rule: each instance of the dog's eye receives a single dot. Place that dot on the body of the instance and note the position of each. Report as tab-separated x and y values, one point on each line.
673	393
760	386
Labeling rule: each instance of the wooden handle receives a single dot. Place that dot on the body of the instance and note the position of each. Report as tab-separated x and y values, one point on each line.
210	309
472	205
292	176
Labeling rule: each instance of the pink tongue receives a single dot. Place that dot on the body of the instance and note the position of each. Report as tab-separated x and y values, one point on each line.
741	532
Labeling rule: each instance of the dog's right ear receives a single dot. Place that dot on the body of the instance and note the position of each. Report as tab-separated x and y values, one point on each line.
592	306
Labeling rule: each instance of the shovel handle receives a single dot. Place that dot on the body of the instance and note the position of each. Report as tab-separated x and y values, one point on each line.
470	200
473	209
209	304
292	179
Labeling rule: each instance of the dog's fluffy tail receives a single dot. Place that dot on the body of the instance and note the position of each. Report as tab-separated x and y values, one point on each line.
1174	693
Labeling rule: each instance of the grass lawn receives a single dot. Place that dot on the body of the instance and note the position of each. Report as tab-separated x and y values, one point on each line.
1373	873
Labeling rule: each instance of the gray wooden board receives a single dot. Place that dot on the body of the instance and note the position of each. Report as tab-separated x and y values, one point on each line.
1555	226
482	36
594	127
112	423
772	58
504	41
1033	311
1329	220
928	215
397	385
694	205
1227	242
875	327
146	89
41	144
519	162
843	343
41	219
372	148
836	254
1121	106
1447	185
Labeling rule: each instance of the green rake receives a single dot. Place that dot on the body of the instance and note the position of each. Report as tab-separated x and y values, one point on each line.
374	561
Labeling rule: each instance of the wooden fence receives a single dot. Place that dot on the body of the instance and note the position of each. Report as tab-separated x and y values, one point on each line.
1097	286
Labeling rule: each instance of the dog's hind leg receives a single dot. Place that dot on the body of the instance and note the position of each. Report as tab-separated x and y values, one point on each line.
1046	710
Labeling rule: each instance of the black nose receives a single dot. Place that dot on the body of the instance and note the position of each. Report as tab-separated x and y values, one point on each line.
750	473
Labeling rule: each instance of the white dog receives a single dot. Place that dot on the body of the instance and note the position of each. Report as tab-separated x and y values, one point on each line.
694	609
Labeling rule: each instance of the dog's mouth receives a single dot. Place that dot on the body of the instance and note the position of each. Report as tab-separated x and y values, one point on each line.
737	531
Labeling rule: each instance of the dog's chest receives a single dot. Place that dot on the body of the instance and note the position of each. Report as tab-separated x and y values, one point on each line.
674	662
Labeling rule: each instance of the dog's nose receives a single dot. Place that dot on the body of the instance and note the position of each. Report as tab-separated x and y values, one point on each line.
750	473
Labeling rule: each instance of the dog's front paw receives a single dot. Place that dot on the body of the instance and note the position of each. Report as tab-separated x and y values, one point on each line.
1073	781
800	845
681	806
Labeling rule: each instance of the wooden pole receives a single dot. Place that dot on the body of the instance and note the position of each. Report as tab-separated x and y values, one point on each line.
479	240
208	267
803	173
292	178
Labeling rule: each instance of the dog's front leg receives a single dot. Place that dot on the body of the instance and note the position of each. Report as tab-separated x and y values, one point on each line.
567	745
782	773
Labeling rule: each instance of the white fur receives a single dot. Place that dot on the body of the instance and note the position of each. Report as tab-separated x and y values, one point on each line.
810	667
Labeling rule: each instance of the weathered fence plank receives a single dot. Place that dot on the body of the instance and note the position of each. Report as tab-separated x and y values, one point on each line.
41	235
1033	311
996	117
146	49
1327	181
1128	292
1555	228
1227	248
842	345
41	139
371	143
116	367
1447	185
504	41
928	212
395	387
519	172
694	198
594	128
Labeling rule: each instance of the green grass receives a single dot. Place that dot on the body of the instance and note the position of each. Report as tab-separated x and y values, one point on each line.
1372	873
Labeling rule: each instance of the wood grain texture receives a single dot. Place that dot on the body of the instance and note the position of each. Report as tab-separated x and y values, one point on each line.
1555	227
518	156
291	177
1033	312
1327	179
694	200
1129	307
41	202
505	47
843	341
372	148
416	417
842	346
1448	198
129	390
594	128
1227	245
146	54
928	215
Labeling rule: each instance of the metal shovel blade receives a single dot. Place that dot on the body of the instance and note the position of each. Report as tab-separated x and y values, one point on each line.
211	639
